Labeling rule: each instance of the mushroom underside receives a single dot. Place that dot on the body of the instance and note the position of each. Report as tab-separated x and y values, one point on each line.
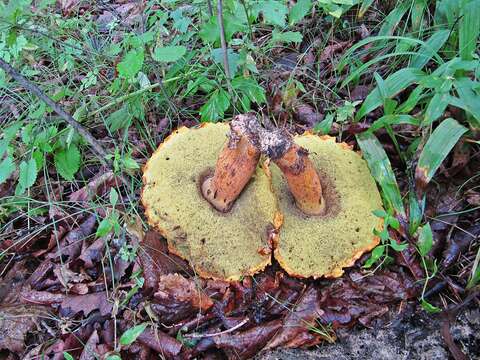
217	245
230	245
316	246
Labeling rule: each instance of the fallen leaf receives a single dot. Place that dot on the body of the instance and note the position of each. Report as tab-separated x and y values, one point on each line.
307	115
161	343
87	303
89	352
458	243
15	323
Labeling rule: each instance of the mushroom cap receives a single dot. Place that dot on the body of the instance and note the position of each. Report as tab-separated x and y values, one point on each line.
316	246
218	245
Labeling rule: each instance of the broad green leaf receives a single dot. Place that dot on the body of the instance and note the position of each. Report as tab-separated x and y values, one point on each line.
393	120
425	240
299	11
169	53
324	126
415	212
119	119
428	50
417	10
131	64
67	161
469	28
438	146
113	196
233	59
130	163
7	167
393	84
436	107
274	12
104	228
129	336
398	247
210	32
10	132
429	307
286	37
376	254
27	176
469	100
250	88
392	20
215	107
381	169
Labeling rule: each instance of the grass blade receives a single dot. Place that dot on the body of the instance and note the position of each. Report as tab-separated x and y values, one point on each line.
393	119
438	146
393	19
394	84
428	50
469	29
381	169
364	7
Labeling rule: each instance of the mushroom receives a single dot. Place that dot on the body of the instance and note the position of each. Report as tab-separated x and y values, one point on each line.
225	214
327	195
192	198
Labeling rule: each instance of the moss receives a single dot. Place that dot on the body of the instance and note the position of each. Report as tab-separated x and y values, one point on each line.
322	245
217	245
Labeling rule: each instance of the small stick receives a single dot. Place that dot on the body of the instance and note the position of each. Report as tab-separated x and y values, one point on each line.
223	41
96	147
238	326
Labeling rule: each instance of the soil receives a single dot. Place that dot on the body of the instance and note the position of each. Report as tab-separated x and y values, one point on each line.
417	336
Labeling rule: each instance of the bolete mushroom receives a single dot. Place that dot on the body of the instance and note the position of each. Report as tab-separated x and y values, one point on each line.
192	198
326	195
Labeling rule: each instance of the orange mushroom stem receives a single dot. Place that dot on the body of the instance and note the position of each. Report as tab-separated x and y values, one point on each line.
302	177
235	165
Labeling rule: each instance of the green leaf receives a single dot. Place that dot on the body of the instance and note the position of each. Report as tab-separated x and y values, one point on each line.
425	239
27	177
286	37
469	29
299	11
392	20
250	88
468	98
438	146
210	32
324	126
119	119
429	49
393	84
10	132
113	197
169	53
364	7
7	167
376	254
67	161
131	64
415	213
129	336
67	356
130	163
274	12
215	107
381	169
398	247
104	228
233	59
475	275
429	307
388	120
113	357
436	107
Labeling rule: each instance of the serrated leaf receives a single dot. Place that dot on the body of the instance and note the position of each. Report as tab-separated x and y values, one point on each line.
299	11
381	170
67	161
27	176
233	58
131	64
250	88
216	106
210	32
425	239
286	37
169	53
129	336
7	167
119	119
438	146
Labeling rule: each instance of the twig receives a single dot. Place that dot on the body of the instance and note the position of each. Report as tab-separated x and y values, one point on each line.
223	40
238	326
210	8
96	146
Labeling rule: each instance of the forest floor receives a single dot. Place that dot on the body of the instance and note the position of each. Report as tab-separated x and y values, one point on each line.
83	276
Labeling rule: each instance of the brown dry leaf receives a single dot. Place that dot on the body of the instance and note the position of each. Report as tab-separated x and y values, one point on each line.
156	261
245	344
472	197
307	115
89	352
92	254
15	323
161	343
330	50
98	186
298	322
29	296
458	243
87	303
67	6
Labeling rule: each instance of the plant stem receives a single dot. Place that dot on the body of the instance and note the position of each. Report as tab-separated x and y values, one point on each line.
97	148
128	96
210	8
223	41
